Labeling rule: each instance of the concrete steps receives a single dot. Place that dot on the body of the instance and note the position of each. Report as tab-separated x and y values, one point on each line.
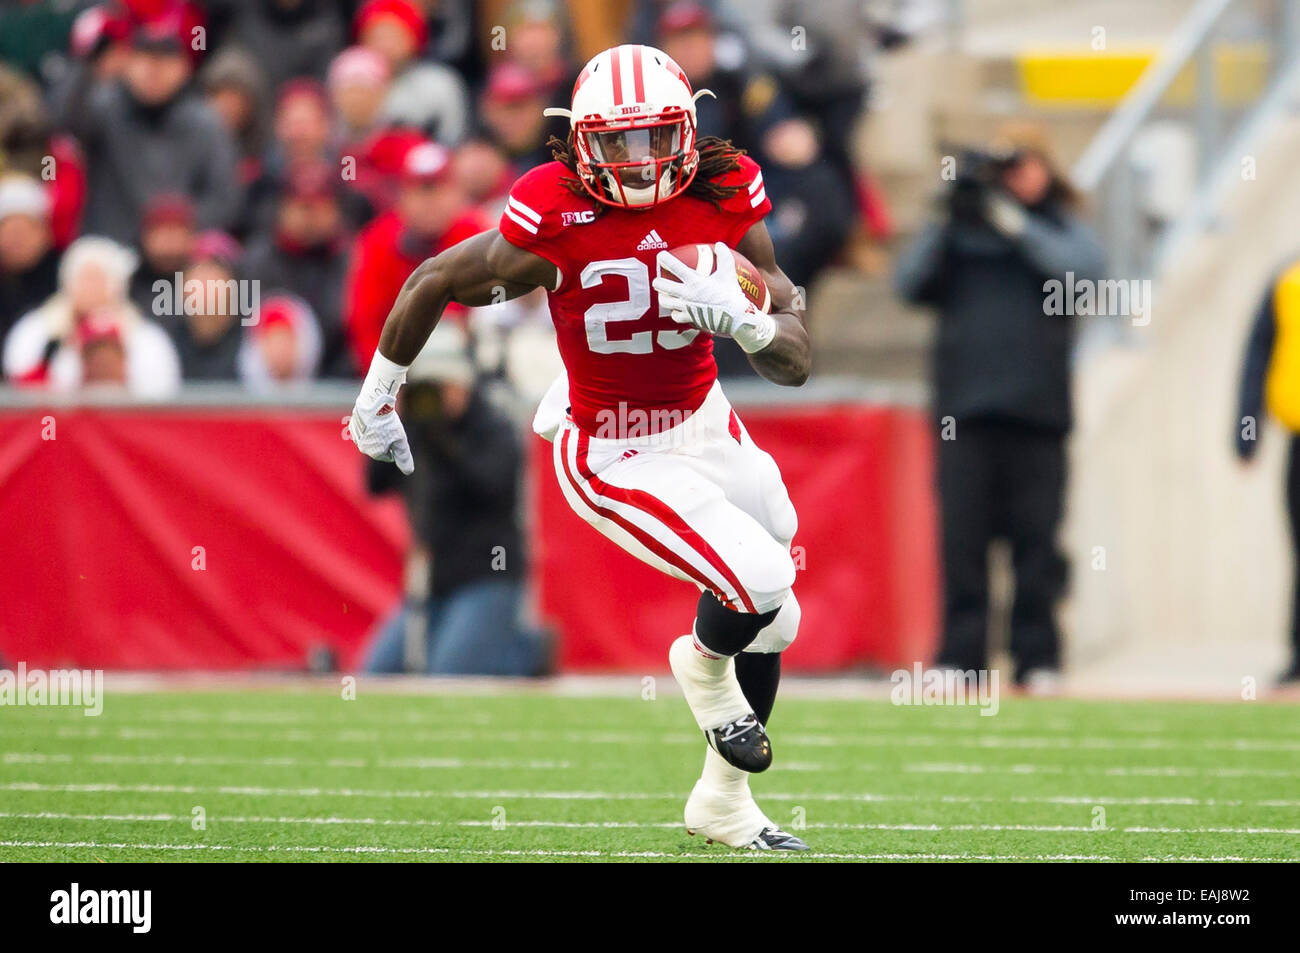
860	328
1196	584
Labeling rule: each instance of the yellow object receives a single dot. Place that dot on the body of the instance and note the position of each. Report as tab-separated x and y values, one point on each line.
1083	77
1282	386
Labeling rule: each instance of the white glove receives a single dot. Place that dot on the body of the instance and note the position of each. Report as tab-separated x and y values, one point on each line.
714	302
1005	214
374	426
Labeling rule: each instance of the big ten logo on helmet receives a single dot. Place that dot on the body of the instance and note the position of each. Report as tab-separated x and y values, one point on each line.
585	217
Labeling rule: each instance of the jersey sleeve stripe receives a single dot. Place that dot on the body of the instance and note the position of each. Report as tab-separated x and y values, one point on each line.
758	199
523	209
756	184
521	222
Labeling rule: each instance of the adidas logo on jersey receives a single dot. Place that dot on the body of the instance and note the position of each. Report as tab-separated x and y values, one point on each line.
652	240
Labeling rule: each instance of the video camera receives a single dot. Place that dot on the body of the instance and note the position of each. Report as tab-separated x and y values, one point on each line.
977	170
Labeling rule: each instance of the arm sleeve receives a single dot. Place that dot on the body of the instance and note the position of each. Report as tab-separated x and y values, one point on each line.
1250	395
1055	248
918	275
79	104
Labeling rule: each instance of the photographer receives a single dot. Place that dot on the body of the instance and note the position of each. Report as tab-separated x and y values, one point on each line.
1001	387
463	504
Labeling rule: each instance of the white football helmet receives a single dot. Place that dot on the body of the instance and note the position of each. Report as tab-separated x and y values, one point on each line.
633	122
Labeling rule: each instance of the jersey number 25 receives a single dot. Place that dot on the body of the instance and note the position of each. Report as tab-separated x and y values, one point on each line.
636	306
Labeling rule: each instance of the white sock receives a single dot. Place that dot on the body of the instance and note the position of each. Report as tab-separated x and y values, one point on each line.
721	805
722	777
709	684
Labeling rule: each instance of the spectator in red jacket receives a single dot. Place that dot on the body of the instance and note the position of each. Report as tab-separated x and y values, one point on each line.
379	163
431	214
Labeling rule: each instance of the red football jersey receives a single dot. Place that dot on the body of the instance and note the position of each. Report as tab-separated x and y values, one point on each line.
617	346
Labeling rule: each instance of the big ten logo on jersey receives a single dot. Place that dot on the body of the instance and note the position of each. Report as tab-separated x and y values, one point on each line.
585	217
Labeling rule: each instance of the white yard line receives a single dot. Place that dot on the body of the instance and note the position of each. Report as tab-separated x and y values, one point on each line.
349	716
217	819
840	740
346	716
722	854
27	757
263	791
183	760
1149	771
847	688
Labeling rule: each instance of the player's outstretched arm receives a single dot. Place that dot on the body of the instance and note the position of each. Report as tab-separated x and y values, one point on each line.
788	358
481	270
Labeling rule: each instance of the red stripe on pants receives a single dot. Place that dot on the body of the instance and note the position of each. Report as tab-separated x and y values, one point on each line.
637	533
655	507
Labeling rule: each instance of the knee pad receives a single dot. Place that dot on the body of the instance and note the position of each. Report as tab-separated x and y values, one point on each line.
724	631
769	577
780	632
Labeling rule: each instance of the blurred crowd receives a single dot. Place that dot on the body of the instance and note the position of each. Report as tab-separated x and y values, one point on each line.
235	190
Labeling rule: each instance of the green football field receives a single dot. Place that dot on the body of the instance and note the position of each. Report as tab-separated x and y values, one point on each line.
298	773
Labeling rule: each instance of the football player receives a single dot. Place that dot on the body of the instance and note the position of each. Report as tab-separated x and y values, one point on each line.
682	487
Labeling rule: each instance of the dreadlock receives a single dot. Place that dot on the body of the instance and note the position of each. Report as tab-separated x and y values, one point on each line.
717	157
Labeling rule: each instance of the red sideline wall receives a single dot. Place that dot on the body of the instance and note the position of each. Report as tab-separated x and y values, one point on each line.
97	563
100	524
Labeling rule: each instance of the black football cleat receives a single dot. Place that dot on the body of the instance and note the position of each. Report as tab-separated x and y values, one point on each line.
743	744
773	838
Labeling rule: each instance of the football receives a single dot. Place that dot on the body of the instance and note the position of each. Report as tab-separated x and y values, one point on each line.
703	260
